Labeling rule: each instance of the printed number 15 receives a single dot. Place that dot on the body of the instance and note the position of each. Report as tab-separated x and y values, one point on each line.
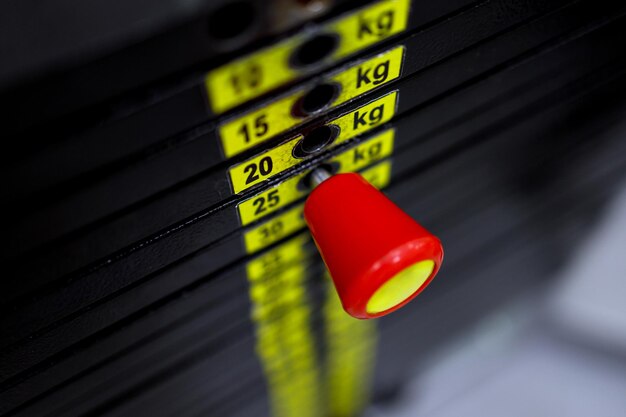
260	128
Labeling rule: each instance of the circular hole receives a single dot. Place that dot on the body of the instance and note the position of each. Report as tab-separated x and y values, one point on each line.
317	139
231	20
314	50
318	98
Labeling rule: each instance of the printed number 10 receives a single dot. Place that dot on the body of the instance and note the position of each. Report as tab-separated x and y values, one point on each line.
249	78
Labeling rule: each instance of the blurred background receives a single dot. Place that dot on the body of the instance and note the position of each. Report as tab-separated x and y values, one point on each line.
557	350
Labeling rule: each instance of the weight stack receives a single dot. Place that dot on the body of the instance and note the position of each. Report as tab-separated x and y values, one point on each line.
156	259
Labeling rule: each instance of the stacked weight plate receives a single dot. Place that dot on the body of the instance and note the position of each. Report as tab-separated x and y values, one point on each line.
156	158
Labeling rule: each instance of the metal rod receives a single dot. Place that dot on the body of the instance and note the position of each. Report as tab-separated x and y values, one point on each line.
318	176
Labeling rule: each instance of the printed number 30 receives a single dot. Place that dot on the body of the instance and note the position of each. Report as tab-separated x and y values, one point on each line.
275	229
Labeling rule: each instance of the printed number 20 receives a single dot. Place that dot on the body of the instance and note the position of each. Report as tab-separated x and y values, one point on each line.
264	168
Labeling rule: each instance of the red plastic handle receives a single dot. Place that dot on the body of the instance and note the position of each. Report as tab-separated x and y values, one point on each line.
378	257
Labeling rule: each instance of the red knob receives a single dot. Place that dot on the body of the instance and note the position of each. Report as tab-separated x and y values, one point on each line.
379	258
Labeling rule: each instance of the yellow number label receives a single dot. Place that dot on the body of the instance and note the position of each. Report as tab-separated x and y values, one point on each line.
264	166
258	126
289	253
283	194
370	25
255	74
281	158
288	191
366	76
366	153
365	118
274	229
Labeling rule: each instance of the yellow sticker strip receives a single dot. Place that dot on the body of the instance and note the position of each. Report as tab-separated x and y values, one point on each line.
281	312
285	343
257	126
276	160
255	74
350	358
366	153
292	220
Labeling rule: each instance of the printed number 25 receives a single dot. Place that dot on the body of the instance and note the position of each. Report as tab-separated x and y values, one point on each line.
264	168
272	201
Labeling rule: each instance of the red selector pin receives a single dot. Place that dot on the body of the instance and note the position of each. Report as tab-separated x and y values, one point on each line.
378	257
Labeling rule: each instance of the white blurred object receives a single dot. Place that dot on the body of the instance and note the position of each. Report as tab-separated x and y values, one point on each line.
565	359
591	300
